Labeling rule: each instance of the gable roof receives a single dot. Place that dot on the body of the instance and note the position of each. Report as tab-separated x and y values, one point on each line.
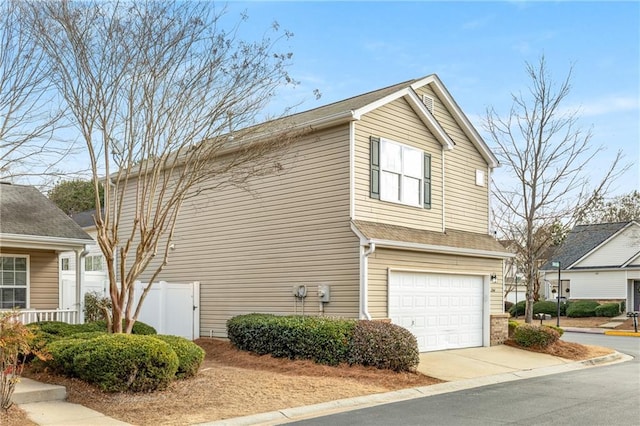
353	108
451	241
28	219
582	240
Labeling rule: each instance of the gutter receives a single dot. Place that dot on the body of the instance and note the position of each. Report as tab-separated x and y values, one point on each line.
442	249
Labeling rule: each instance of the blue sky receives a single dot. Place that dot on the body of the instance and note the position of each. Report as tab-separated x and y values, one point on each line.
478	49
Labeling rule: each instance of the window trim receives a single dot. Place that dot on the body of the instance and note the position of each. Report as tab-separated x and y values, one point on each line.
94	271
27	286
376	170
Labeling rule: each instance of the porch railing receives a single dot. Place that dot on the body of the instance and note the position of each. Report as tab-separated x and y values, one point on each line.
27	316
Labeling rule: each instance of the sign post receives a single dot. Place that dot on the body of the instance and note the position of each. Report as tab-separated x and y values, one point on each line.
557	265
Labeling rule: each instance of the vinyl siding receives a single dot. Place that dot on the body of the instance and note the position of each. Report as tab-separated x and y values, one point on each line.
43	277
248	249
398	122
597	285
384	259
617	251
467	205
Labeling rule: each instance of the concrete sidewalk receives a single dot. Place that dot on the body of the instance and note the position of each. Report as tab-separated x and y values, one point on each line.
461	368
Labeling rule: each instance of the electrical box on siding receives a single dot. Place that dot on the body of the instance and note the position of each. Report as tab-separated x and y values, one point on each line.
324	293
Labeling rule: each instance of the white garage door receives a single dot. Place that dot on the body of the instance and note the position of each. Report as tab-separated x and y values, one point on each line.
442	311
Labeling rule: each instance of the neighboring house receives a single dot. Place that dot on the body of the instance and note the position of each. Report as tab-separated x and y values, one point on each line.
381	212
599	262
33	231
92	265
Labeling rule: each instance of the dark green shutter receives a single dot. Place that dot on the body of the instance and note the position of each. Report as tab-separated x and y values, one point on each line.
427	181
374	157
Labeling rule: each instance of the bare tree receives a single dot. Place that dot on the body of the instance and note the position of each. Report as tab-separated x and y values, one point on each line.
549	157
166	101
28	113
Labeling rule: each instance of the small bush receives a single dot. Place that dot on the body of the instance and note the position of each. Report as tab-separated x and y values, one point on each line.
582	308
512	326
63	352
94	305
324	340
548	307
608	310
527	335
519	307
558	329
138	327
190	355
508	305
383	345
86	335
124	362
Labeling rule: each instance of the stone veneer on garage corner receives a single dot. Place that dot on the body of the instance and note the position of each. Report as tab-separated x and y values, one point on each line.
499	328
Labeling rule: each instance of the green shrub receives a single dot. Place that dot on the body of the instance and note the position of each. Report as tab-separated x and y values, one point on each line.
623	304
508	305
324	340
383	345
52	328
138	327
582	308
63	352
94	303
608	310
86	335
527	335
512	326
549	307
519	307
125	362
190	355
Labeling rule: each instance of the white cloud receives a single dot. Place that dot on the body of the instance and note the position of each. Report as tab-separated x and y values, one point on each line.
607	105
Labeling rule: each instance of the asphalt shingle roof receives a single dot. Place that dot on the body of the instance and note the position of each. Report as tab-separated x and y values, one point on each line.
580	241
25	211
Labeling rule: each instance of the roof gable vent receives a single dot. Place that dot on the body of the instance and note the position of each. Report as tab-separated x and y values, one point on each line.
428	102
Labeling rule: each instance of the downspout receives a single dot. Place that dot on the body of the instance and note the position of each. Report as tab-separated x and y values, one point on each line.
364	279
444	206
80	255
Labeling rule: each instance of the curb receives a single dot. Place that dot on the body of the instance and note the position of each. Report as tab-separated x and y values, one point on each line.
622	333
341	405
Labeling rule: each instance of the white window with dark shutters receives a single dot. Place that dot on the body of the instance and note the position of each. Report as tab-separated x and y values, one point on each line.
400	173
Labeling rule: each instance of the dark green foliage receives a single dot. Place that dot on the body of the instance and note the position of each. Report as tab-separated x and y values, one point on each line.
384	345
93	304
508	305
125	362
74	196
190	355
549	307
623	306
63	352
527	335
608	310
323	340
582	308
86	335
519	306
138	327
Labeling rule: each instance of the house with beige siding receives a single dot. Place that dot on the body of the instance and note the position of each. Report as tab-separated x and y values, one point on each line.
598	262
33	233
380	211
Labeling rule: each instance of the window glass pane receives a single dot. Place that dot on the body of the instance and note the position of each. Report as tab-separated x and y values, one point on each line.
20	298
7	263
412	162
410	190
21	278
8	278
6	298
390	186
391	157
64	264
97	265
21	263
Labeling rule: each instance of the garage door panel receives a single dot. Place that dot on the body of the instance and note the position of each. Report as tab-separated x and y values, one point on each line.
442	311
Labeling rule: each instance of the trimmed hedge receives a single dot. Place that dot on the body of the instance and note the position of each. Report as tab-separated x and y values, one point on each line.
549	307
520	306
608	310
125	362
512	327
383	345
508	305
190	355
558	329
527	335
325	340
582	308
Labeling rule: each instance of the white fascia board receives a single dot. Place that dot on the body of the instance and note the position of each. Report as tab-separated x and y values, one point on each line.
590	252
43	242
357	114
631	260
444	95
441	249
428	119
